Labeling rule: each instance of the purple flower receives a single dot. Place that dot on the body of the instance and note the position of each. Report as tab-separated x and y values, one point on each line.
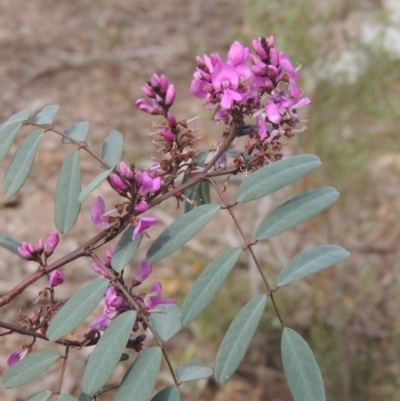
98	212
262	127
112	303
168	135
40	246
286	64
225	79
148	184
17	356
98	269
143	224
155	297
146	106
99	324
56	278
144	271
237	54
170	95
276	106
142	207
125	171
117	184
52	242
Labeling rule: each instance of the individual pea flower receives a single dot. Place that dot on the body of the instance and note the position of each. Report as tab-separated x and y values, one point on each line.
107	261
17	355
52	242
56	278
142	207
144	271
117	184
99	215
154	298
146	183
113	303
143	224
99	324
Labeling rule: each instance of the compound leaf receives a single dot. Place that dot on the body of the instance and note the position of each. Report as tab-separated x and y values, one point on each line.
193	371
78	132
275	176
141	376
94	184
47	115
29	368
310	262
181	231
77	309
301	369
107	353
21	164
296	210
10	243
208	283
42	396
237	339
112	148
167	322
67	205
125	249
168	394
7	135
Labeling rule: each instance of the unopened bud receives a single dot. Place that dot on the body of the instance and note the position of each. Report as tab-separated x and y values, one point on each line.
52	242
56	278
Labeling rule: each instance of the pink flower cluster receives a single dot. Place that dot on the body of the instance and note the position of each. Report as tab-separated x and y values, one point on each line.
30	252
127	182
114	303
262	86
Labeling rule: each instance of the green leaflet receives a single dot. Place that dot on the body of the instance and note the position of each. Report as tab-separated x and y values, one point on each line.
167	322
237	339
47	115
193	371
103	360
67	205
7	135
125	249
113	146
42	396
29	368
10	243
181	231
168	394
275	176
93	185
296	210
208	283
141	376
78	132
301	369
77	309
21	164
310	262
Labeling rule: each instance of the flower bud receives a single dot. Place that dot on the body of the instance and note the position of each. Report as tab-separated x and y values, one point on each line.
25	252
163	83
52	242
168	135
142	207
171	120
148	90
17	355
40	246
56	278
170	95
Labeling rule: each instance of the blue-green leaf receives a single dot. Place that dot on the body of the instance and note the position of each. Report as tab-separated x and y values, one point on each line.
112	148
125	249
310	262
18	117
78	132
208	283
168	394
237	339
10	243
181	231
84	397
141	376
103	360
77	309
21	164
296	210
193	371
301	369
167	322
7	136
94	184
47	115
66	397
275	176
42	396
67	205
29	368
